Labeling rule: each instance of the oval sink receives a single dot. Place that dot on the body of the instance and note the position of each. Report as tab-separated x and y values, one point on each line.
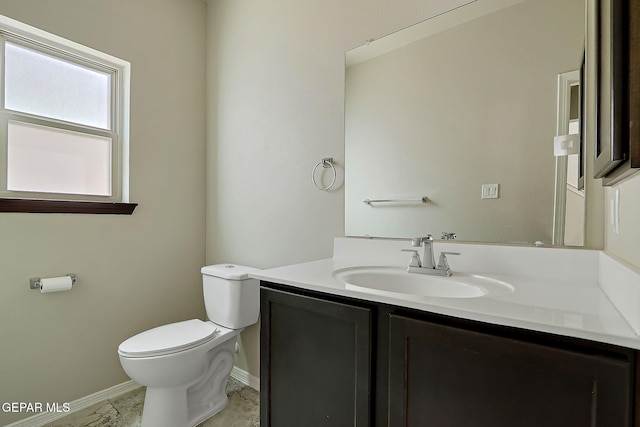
396	282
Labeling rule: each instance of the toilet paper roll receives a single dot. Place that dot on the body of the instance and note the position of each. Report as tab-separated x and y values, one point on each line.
55	284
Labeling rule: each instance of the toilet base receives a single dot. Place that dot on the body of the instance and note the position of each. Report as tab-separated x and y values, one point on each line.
168	408
187	406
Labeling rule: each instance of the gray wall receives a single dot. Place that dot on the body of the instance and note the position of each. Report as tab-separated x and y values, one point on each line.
134	272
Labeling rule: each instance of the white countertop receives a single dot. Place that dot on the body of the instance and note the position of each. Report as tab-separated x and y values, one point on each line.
555	290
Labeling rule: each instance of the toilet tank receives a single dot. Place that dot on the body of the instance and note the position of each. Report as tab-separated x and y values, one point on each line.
231	297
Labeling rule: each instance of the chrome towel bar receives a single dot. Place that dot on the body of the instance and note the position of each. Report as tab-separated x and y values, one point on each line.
423	199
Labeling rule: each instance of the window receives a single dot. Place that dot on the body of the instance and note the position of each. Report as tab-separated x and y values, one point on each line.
63	124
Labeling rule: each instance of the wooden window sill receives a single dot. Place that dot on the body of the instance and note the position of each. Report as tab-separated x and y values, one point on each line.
65	206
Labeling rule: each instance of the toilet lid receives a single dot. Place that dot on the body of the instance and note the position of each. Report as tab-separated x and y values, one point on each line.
169	338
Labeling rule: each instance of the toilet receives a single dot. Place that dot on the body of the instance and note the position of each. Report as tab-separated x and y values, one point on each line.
185	365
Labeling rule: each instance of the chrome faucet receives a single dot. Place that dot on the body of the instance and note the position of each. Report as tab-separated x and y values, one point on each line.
428	264
428	261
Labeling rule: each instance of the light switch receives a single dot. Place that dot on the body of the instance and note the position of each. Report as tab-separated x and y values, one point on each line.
615	212
490	191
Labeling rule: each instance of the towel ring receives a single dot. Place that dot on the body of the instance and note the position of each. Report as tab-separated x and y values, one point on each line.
327	162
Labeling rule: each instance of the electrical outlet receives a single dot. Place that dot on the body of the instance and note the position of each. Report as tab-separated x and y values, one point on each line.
490	191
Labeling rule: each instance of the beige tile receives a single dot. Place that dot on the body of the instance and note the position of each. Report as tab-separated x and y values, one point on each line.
129	406
100	414
243	410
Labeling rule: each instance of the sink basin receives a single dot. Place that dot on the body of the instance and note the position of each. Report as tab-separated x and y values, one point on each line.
396	282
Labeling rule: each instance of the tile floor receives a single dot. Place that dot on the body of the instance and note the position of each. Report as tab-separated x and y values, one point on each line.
243	410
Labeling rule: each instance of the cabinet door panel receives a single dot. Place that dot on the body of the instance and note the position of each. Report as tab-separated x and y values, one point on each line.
442	376
316	362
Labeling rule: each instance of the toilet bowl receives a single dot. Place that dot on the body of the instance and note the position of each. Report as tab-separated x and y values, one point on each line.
185	365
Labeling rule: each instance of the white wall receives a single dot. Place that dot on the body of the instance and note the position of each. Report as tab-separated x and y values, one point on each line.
134	272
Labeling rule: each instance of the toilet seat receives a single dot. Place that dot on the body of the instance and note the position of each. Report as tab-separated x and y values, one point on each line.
171	338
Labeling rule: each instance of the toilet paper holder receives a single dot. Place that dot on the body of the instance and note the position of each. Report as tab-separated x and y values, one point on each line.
34	282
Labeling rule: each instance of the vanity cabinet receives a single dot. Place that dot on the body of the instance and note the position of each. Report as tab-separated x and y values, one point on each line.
328	360
315	362
445	376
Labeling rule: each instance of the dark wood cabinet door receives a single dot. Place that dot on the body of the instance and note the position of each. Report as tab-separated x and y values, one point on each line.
315	362
442	376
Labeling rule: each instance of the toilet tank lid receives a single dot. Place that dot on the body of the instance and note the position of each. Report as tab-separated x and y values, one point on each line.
229	271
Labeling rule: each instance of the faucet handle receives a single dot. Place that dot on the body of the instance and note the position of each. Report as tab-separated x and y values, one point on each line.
415	258
443	264
446	235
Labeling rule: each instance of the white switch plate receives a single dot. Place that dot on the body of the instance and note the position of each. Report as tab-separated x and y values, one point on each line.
615	211
490	191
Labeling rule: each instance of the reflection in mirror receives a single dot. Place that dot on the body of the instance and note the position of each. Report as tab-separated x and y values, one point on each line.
569	212
448	116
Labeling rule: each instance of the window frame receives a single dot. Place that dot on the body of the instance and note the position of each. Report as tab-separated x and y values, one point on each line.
118	202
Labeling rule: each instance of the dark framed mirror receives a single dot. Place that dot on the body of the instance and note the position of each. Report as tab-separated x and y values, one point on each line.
611	147
617	143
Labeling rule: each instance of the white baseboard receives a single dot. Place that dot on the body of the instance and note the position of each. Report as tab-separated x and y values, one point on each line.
44	418
245	378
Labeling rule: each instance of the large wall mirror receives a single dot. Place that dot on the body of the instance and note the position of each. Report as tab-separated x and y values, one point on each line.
450	126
